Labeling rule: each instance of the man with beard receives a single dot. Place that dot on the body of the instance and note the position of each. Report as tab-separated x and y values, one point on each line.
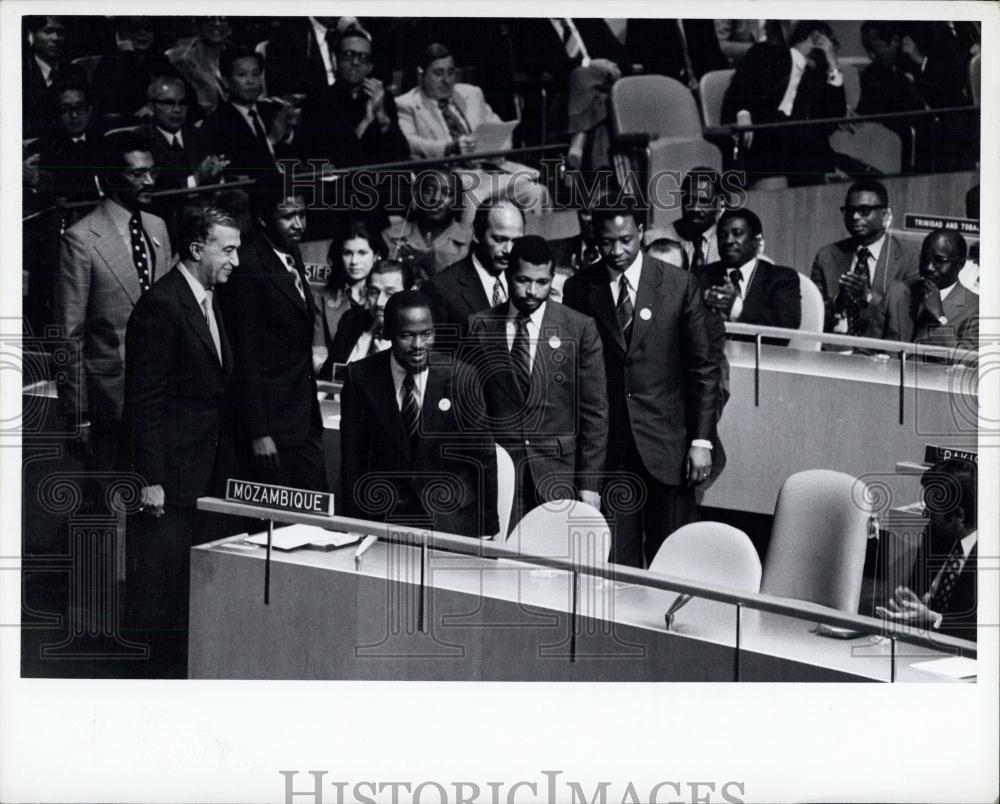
853	275
701	197
270	314
477	282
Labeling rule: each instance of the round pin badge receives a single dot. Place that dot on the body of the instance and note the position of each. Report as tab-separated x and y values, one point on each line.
554	342
645	314
331	303
444	404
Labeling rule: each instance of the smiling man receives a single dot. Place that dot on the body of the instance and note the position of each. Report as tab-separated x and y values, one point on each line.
854	274
545	387
176	434
414	445
271	316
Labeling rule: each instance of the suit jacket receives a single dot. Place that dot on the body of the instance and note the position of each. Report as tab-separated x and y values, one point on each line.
271	329
294	60
656	44
446	479
903	318
898	260
331	306
350	327
227	132
663	386
96	288
72	165
175	432
557	427
329	120
39	112
455	294
772	300
423	124
121	79
176	166
960	617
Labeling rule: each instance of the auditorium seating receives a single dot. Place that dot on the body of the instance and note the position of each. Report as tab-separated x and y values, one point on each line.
506	482
564	528
712	91
813	313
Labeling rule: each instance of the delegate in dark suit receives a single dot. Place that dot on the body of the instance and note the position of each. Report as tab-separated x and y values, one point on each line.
455	294
272	327
176	164
386	477
771	300
663	386
554	428
228	132
294	58
175	438
959	616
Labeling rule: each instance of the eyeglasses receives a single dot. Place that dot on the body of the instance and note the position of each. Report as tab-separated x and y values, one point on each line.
138	173
354	55
172	104
864	210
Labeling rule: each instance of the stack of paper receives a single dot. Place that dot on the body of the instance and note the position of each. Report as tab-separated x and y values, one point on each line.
295	536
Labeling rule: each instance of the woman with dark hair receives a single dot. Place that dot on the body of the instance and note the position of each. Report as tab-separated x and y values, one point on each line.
353	253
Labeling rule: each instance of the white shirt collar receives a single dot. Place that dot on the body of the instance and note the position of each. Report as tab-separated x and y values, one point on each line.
399	374
875	249
487	279
947	291
799	60
79	138
45	68
633	272
196	287
170	136
968	542
535	319
746	272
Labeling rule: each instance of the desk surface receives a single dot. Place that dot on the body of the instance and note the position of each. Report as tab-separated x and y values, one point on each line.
489	620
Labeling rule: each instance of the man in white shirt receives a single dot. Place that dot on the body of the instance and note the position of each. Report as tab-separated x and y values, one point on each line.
701	198
941	592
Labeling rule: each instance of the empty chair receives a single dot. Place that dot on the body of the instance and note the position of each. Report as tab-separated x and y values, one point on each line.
712	89
976	79
654	105
873	144
505	491
563	529
812	315
712	553
818	540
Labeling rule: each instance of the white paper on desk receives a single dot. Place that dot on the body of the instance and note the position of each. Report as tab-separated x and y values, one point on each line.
332	539
296	536
494	136
952	667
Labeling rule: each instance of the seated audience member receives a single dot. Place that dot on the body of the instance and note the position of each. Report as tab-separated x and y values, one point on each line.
121	79
417	427
271	317
736	37
43	69
301	56
854	274
179	149
353	253
360	329
439	118
430	238
669	251
354	121
742	287
885	86
249	132
941	592
775	83
969	275
70	155
701	199
589	121
936	308
478	281
199	62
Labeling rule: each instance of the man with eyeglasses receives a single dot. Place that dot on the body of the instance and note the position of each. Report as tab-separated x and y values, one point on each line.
935	308
70	155
854	274
42	70
107	261
354	123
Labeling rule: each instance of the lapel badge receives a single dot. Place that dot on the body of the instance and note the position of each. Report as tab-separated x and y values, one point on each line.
554	342
444	405
645	314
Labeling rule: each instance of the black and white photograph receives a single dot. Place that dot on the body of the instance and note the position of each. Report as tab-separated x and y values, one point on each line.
428	406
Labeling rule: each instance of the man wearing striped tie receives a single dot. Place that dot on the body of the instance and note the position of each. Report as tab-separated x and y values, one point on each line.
941	594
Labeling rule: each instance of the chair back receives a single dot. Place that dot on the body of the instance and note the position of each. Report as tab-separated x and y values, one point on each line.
88	64
818	540
655	105
712	89
852	85
976	79
873	144
813	314
505	491
712	553
564	529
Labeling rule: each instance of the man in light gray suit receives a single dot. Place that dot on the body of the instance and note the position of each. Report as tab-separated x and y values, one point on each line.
107	260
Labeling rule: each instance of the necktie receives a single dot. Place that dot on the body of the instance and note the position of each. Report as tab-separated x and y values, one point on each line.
735	277
856	324
945	582
290	265
698	255
213	327
624	308
373	346
176	146
139	256
456	126
520	353
410	411
258	129
499	296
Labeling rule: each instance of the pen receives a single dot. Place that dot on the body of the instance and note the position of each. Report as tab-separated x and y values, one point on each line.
363	548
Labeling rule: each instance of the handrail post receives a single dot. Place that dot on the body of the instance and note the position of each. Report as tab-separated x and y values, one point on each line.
574	579
736	657
421	607
267	563
902	386
756	371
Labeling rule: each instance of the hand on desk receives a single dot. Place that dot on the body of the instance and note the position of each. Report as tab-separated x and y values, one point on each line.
906	607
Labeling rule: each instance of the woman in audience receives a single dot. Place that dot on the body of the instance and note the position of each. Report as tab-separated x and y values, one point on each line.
352	255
